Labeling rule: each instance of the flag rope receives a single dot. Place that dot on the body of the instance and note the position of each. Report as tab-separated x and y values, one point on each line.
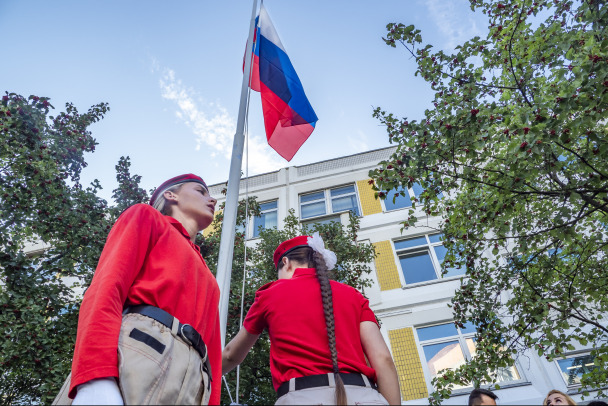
247	221
228	389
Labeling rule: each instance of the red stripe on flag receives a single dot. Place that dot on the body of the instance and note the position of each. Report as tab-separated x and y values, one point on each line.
255	74
282	135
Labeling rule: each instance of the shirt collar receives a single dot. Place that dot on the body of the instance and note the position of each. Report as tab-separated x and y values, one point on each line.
179	227
304	272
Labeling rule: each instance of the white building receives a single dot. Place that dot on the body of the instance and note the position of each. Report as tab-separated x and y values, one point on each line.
408	293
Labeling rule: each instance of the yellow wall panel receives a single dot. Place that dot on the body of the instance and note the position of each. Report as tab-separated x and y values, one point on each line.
369	203
211	227
407	361
386	268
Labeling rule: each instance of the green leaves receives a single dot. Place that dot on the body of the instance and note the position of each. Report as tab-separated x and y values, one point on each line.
516	143
52	231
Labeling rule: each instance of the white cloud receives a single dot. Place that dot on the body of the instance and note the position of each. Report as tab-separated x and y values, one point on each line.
454	20
212	125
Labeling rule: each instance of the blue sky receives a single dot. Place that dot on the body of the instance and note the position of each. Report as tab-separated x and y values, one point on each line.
171	73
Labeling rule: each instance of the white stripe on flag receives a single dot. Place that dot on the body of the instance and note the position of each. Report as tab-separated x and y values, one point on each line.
267	29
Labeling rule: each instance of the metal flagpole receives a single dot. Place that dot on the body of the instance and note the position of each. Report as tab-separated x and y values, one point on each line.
224	262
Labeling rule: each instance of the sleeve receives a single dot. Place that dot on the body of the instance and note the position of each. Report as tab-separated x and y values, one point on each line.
255	321
95	353
366	314
215	359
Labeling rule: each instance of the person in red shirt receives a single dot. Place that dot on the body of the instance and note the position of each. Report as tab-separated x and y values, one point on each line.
320	331
148	328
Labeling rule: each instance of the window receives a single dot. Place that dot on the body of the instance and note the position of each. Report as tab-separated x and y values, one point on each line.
267	218
445	346
403	197
421	259
574	366
329	201
323	220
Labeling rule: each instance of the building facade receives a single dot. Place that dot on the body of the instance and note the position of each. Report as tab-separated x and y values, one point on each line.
409	293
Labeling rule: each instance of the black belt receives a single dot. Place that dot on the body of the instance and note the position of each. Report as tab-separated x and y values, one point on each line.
314	381
185	331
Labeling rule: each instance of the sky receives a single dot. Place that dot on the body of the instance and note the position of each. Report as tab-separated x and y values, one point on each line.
172	72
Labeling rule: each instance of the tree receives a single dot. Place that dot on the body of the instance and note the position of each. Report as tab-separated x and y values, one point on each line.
353	259
43	204
513	157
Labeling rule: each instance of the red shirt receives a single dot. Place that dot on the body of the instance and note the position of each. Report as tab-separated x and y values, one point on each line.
292	311
148	259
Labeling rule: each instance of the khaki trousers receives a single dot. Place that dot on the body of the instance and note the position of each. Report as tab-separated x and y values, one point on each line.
325	395
155	366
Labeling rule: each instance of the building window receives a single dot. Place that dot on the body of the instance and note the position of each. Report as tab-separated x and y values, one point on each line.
323	220
445	346
421	259
574	366
401	198
267	218
329	201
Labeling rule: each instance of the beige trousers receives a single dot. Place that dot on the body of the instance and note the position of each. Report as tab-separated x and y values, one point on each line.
155	366
325	395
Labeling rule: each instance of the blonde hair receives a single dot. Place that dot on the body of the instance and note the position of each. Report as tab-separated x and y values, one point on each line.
161	204
569	400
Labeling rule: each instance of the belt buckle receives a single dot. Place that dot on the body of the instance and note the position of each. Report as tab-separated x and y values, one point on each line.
181	332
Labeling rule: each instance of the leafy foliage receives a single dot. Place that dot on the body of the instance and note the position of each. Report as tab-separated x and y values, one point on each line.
517	143
255	381
46	212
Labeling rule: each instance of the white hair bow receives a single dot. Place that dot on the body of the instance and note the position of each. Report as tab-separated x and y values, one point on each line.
316	243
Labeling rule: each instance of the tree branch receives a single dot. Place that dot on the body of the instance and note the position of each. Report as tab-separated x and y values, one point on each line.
583	160
512	69
458	78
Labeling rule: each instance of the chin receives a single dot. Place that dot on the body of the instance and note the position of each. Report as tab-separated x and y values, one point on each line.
205	223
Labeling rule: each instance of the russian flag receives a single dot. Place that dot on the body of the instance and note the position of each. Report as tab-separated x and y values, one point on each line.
288	116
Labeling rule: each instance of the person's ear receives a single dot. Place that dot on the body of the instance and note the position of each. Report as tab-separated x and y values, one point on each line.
170	196
285	260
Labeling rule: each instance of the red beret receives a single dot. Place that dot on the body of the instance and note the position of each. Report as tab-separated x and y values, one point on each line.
287	246
189	177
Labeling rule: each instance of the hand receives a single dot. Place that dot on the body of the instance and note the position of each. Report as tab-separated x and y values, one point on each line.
102	391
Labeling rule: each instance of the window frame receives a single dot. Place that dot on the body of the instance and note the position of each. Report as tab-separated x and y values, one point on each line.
428	247
328	200
388	196
252	232
586	352
461	337
411	193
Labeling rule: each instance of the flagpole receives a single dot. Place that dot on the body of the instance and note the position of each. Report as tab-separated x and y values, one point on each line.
224	262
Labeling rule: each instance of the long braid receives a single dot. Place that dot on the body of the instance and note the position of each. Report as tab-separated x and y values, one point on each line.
328	310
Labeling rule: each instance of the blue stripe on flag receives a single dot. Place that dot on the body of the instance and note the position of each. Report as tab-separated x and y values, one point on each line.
277	73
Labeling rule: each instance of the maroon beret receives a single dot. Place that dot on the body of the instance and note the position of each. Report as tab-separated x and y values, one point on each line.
189	177
286	246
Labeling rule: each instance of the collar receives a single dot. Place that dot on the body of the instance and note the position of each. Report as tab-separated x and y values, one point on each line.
179	227
304	272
